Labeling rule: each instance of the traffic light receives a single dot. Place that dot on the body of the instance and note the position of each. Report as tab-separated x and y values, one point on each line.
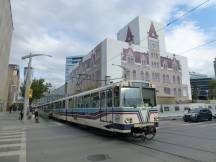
30	92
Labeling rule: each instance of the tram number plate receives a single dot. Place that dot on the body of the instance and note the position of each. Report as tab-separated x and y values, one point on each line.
143	125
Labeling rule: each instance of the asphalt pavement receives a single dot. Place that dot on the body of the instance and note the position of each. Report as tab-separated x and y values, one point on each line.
53	141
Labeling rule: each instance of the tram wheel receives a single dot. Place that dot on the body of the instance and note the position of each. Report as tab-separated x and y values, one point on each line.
151	133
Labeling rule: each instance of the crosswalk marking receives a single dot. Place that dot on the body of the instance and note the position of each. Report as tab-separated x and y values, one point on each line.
11	145
7	140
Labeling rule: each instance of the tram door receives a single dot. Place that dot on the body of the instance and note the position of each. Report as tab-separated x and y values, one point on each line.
103	109
106	106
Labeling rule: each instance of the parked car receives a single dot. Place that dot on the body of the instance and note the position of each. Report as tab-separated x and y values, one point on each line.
198	114
214	114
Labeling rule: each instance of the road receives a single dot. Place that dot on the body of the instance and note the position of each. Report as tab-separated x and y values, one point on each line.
53	141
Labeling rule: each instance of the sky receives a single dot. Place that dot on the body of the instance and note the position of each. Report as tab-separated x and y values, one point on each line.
74	27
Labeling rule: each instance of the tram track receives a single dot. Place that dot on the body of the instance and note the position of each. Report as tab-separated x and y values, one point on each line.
181	134
184	146
162	151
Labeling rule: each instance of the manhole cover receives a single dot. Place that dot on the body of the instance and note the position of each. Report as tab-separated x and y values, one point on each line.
98	157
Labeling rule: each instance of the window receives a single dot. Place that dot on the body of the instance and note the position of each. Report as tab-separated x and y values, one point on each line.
71	103
103	99
177	108
178	79
166	90
94	100
166	108
174	79
147	76
134	74
164	79
116	96
87	101
174	91
167	79
148	97
142	75
131	97
179	92
128	74
109	98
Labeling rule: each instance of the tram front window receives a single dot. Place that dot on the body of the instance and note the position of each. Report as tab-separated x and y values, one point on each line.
148	97
131	97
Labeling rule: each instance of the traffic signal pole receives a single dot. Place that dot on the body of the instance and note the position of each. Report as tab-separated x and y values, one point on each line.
27	87
28	83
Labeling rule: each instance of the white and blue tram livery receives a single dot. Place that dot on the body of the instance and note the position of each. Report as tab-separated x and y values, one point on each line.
123	107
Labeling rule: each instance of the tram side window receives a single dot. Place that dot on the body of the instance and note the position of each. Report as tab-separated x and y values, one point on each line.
62	104
148	97
79	101
71	103
86	100
103	99
75	102
116	97
109	98
95	100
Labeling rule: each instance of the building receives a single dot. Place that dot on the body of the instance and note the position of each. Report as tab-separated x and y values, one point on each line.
137	54
215	66
6	29
200	88
13	84
70	62
194	75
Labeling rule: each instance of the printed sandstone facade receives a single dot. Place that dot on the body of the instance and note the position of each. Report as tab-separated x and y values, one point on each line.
139	54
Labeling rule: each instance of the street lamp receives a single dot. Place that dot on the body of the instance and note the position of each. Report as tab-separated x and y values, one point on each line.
125	71
28	81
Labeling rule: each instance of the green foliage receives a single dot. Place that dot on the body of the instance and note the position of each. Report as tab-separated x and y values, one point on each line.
39	87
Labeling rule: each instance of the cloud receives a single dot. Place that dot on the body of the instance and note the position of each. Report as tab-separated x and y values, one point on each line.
186	36
66	28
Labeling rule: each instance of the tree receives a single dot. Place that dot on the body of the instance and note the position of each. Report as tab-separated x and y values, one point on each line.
39	87
212	89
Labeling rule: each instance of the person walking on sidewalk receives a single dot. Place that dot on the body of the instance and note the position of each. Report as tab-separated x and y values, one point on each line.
21	114
36	114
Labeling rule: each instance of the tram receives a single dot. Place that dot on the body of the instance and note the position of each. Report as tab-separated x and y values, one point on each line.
126	107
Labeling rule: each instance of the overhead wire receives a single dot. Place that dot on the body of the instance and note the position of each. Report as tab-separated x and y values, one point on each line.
191	49
172	21
167	25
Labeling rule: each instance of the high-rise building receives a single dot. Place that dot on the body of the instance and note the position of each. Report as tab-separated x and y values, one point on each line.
215	67
70	62
194	75
139	54
13	83
6	29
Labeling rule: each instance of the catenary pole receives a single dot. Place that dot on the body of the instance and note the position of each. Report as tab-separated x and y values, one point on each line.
28	82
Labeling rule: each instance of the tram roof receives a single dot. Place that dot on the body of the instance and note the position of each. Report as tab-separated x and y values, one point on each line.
98	89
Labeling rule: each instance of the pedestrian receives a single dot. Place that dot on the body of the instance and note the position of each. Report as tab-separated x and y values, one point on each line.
21	114
10	109
36	114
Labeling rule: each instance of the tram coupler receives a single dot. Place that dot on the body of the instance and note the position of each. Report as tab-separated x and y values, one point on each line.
144	131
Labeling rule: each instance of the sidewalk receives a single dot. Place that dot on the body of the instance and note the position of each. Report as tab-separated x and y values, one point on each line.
12	138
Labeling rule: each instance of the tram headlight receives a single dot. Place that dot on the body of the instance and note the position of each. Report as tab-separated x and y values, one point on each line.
128	120
156	119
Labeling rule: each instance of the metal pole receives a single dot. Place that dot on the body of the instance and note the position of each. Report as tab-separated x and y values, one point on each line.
27	87
28	82
125	70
